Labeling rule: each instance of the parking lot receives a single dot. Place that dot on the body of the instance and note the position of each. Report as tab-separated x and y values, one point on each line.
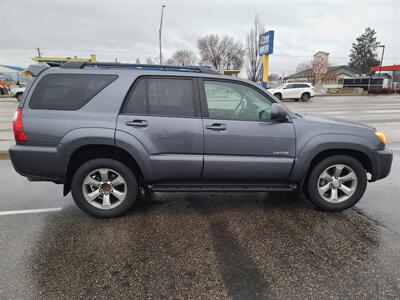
204	245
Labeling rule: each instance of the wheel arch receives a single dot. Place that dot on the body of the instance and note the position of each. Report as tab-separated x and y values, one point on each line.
93	151
360	156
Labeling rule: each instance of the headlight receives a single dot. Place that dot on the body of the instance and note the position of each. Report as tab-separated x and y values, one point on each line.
381	136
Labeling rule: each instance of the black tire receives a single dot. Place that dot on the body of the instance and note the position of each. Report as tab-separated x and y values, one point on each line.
278	95
313	183
18	96
124	171
305	97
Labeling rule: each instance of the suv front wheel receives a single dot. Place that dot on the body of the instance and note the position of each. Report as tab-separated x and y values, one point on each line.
337	183
104	188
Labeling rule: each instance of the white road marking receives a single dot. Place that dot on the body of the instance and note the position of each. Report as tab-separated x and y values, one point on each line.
29	211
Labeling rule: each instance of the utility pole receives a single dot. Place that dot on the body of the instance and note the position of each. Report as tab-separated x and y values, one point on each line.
380	68
159	32
38	52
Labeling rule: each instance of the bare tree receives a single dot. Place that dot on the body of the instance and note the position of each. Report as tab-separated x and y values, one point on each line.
304	66
274	77
182	58
222	53
149	61
319	71
154	61
254	64
315	71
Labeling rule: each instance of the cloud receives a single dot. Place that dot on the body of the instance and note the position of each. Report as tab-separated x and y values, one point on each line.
129	29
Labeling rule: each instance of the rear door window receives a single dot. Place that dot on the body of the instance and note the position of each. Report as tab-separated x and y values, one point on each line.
162	97
68	91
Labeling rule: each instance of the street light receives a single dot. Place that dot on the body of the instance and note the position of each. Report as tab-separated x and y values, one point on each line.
159	32
380	68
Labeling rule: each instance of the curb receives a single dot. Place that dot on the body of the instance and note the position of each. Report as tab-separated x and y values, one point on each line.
335	95
4	155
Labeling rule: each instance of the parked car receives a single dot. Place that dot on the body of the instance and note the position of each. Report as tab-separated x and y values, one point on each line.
298	91
107	131
17	92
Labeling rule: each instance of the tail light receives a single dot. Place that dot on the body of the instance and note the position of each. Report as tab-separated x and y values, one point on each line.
19	133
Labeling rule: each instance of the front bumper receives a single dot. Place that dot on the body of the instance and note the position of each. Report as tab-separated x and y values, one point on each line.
384	160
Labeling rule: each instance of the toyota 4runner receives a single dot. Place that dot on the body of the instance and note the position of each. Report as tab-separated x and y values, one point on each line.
107	131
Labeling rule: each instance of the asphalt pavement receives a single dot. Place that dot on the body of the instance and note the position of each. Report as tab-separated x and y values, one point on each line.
201	245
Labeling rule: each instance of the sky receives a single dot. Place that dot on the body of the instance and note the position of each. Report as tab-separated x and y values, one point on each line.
127	29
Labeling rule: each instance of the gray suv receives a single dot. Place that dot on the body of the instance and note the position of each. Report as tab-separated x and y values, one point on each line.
107	131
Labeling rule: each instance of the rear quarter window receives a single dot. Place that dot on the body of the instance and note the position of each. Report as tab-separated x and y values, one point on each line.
68	91
304	85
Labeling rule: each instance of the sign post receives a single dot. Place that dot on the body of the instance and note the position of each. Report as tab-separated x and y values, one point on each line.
266	47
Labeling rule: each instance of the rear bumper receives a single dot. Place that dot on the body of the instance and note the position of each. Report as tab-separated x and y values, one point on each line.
383	164
38	163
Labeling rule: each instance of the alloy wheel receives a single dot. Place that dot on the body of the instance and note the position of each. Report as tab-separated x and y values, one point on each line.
104	188
337	183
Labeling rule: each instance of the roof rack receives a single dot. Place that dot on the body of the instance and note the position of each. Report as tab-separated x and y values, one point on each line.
111	65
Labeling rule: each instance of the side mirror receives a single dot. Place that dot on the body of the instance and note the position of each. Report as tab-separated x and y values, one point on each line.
278	112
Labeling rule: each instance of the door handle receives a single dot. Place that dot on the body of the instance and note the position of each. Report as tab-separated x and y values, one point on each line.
137	123
216	127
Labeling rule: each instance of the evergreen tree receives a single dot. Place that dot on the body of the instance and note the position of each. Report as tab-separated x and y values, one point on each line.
363	54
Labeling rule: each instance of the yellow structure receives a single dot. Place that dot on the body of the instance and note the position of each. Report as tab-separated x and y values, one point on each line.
231	72
265	62
61	60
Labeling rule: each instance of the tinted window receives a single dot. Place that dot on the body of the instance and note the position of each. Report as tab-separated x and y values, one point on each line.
290	86
227	100
68	91
137	102
300	85
162	96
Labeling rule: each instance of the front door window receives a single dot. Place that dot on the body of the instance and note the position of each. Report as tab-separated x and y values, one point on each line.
232	101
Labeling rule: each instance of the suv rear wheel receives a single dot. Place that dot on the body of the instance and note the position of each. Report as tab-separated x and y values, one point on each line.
104	188
278	95
337	183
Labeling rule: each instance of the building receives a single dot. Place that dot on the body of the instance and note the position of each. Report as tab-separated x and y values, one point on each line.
234	73
56	61
333	76
391	73
320	72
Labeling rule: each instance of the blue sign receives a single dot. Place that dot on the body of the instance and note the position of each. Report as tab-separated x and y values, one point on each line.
266	42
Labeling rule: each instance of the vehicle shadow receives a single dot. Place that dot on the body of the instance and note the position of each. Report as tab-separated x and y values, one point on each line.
233	245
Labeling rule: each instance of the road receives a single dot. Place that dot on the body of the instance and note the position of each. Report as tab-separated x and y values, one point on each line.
234	245
382	112
7	110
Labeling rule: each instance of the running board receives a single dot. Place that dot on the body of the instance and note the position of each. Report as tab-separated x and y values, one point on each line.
221	188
